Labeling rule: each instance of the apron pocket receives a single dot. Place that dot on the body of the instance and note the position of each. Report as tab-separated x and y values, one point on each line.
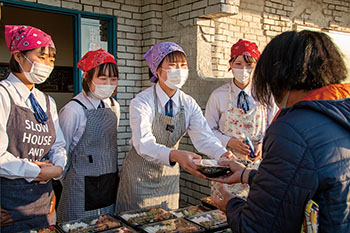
100	191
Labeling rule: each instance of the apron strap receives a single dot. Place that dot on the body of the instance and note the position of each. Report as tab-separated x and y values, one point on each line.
79	102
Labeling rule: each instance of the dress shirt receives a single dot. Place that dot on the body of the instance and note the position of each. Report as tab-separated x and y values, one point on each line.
217	106
73	118
142	112
12	167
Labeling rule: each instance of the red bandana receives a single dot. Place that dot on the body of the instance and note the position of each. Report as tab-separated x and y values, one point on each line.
95	58
244	47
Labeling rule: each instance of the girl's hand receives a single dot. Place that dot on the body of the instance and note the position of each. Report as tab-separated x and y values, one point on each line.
228	155
185	160
257	153
49	172
239	146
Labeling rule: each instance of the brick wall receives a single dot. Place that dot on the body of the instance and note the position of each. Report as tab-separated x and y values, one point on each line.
206	29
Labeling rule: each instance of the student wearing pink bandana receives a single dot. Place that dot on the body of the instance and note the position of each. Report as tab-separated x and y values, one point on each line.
89	123
32	149
235	116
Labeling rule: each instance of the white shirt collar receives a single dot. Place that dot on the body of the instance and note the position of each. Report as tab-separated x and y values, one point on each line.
22	89
164	98
92	99
236	90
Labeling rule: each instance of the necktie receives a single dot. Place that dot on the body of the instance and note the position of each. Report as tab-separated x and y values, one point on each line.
101	105
39	113
242	101
169	108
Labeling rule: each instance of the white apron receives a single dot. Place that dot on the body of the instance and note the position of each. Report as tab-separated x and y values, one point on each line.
238	123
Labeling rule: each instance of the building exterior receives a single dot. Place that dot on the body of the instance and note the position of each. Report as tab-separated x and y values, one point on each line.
206	29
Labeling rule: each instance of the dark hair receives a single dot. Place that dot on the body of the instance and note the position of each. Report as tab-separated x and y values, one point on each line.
15	67
102	70
305	60
175	56
248	59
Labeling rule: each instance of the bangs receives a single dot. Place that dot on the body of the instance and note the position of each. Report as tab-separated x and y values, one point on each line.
108	70
248	59
176	56
52	51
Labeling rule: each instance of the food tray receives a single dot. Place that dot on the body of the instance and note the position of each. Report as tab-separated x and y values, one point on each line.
211	169
122	229
47	229
213	220
208	202
190	210
137	218
227	230
179	225
91	224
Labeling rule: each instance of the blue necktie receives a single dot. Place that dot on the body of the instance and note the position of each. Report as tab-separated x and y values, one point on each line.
39	113
101	105
242	101
169	108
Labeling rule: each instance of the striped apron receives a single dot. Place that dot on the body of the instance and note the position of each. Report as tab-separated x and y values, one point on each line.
90	184
146	184
28	204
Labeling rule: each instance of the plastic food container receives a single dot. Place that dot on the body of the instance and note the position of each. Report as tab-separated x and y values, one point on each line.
212	221
91	224
208	202
190	210
179	225
211	169
138	218
123	229
47	229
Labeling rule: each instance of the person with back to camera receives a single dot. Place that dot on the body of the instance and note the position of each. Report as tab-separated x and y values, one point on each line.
159	117
32	144
234	115
89	123
306	150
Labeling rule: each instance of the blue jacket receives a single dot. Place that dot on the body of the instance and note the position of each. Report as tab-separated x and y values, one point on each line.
306	155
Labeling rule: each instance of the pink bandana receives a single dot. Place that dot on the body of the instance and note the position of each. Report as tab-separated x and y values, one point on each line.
22	38
244	47
157	53
95	58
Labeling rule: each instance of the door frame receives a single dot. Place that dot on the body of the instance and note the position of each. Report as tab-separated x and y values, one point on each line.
77	15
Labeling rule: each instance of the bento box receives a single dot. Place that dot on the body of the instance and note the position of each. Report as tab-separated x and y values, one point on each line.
211	221
91	224
179	225
140	217
208	202
47	229
190	210
227	230
211	168
122	229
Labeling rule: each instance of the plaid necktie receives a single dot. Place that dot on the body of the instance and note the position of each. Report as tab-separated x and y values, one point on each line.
169	108
242	101
39	113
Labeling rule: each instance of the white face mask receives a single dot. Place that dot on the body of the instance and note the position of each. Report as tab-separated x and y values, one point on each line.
176	78
38	73
103	91
242	75
284	101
